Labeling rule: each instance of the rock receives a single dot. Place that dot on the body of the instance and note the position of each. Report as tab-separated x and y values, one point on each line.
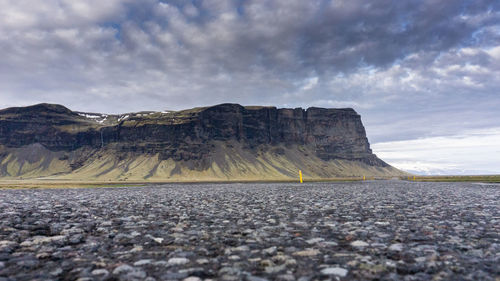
359	244
285	277
136	249
142	262
56	272
28	263
270	251
177	261
398	247
325	244
128	272
227	277
122	269
41	131
76	239
137	274
202	261
43	255
314	241
254	278
192	278
173	276
243	248
158	240
7	246
307	253
275	269
338	271
102	272
38	240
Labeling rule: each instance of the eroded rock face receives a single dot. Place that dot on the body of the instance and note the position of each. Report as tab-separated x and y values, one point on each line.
53	126
187	135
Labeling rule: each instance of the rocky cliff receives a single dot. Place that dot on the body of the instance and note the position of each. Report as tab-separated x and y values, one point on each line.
222	142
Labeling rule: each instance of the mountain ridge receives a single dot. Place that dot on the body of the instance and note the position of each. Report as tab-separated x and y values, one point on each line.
221	142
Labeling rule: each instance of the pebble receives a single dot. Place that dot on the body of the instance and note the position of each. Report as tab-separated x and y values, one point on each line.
338	271
314	241
56	272
398	247
142	262
306	253
270	251
192	278
124	268
99	272
377	230
177	261
359	244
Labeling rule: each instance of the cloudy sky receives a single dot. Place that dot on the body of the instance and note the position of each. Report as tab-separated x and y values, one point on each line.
424	74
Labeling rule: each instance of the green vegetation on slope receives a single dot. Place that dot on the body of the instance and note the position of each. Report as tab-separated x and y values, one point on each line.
478	178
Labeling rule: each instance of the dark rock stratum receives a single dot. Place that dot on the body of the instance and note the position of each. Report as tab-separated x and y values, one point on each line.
193	139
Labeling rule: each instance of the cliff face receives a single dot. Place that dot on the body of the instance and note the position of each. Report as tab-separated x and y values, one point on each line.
190	138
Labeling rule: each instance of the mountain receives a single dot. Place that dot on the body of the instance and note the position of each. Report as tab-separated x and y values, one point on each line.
222	142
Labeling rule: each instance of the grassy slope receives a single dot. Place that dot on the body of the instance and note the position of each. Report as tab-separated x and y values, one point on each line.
229	162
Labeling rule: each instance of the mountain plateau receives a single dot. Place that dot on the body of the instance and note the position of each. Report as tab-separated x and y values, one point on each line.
216	143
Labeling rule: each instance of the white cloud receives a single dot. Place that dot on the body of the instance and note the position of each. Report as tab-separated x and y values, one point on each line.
310	83
26	14
407	79
472	152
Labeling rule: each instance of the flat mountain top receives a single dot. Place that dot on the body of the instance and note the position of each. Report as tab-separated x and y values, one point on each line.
221	142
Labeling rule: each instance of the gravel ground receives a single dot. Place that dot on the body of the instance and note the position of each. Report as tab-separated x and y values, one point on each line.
385	230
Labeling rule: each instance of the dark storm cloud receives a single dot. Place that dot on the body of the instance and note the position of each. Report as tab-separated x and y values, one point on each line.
412	68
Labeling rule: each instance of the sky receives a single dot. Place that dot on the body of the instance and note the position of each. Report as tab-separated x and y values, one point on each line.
423	74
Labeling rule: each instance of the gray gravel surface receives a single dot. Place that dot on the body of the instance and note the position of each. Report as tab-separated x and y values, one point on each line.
385	230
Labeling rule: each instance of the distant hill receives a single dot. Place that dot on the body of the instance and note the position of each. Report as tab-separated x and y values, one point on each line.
217	143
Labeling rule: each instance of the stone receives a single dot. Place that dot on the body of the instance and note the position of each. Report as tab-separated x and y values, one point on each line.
314	241
177	261
307	253
122	269
192	278
7	246
202	261
254	278
142	262
76	239
56	272
338	271
275	269
101	272
285	277
359	244
38	240
398	247
270	251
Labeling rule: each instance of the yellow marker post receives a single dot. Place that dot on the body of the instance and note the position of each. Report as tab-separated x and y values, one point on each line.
364	178
300	176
